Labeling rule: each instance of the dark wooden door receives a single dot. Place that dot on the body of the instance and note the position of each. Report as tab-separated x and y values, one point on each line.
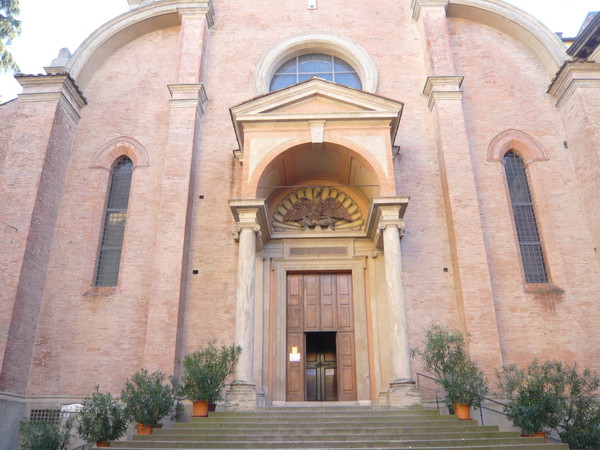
320	302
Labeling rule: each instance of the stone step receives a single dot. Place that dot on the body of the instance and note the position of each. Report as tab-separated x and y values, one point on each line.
344	428
332	428
387	444
321	419
354	436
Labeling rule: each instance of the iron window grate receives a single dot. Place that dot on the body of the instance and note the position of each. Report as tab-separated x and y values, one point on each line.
532	255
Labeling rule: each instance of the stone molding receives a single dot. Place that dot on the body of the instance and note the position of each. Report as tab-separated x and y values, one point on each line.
527	147
59	88
442	87
516	23
128	26
105	157
188	95
265	108
316	42
416	6
572	76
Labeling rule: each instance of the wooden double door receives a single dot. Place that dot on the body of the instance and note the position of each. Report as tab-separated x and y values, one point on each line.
320	337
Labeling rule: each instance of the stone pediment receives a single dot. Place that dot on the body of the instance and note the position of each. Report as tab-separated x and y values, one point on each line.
316	99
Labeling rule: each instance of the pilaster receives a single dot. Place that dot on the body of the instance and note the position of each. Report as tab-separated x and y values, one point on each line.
576	89
32	176
473	288
166	304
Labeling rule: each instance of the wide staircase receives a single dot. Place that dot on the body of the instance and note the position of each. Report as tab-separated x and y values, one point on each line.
357	427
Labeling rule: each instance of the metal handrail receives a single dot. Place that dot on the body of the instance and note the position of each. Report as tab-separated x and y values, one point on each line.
491	400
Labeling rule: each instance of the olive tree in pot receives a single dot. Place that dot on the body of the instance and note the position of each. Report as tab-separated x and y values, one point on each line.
36	435
204	373
579	424
147	399
534	396
446	357
101	419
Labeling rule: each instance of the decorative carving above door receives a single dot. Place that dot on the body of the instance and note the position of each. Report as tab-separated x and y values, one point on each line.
317	208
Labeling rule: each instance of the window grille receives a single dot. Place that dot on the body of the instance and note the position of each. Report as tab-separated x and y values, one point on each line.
305	67
111	244
532	255
45	415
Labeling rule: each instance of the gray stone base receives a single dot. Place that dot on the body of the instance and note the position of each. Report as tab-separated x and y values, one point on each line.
403	393
11	413
241	396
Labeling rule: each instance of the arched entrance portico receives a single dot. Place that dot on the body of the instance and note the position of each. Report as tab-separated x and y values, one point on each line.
318	175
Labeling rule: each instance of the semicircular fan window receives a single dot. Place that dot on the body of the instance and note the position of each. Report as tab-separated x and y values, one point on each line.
317	208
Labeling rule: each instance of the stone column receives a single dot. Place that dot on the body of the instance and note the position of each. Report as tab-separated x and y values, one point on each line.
402	387
249	215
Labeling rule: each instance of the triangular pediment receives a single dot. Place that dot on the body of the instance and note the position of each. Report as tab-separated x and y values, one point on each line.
323	96
316	99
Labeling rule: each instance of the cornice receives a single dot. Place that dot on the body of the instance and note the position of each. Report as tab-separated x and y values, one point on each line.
571	76
59	88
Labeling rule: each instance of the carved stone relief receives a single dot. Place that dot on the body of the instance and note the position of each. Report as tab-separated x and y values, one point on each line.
317	208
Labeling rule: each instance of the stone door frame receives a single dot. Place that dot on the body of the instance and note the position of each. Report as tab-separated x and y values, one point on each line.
354	265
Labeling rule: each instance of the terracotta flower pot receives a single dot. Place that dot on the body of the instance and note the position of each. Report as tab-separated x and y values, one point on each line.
463	412
538	434
144	429
200	408
102	444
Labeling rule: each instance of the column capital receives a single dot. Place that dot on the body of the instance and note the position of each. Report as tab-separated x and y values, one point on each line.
416	6
385	212
251	213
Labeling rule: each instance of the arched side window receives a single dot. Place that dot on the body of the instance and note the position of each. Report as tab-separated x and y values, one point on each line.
115	214
532	255
304	67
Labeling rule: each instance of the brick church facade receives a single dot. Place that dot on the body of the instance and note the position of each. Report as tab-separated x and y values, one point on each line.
303	179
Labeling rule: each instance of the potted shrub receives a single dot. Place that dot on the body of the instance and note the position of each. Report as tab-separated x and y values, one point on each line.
204	373
465	386
445	356
101	419
147	399
534	396
579	424
36	435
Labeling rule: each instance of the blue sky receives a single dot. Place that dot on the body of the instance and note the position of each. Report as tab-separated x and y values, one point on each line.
47	27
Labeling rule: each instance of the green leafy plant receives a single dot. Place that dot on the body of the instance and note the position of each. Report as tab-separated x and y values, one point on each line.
42	435
534	395
147	398
579	424
465	384
101	418
205	371
446	357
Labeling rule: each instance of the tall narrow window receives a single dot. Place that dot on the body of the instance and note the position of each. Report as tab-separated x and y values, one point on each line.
111	244
532	254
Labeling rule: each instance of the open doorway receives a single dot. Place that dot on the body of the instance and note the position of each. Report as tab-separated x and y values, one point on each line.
321	366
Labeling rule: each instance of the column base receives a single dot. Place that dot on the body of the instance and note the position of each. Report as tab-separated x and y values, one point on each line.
241	396
403	393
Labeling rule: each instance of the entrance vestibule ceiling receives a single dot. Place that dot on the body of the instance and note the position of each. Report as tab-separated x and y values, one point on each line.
326	165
